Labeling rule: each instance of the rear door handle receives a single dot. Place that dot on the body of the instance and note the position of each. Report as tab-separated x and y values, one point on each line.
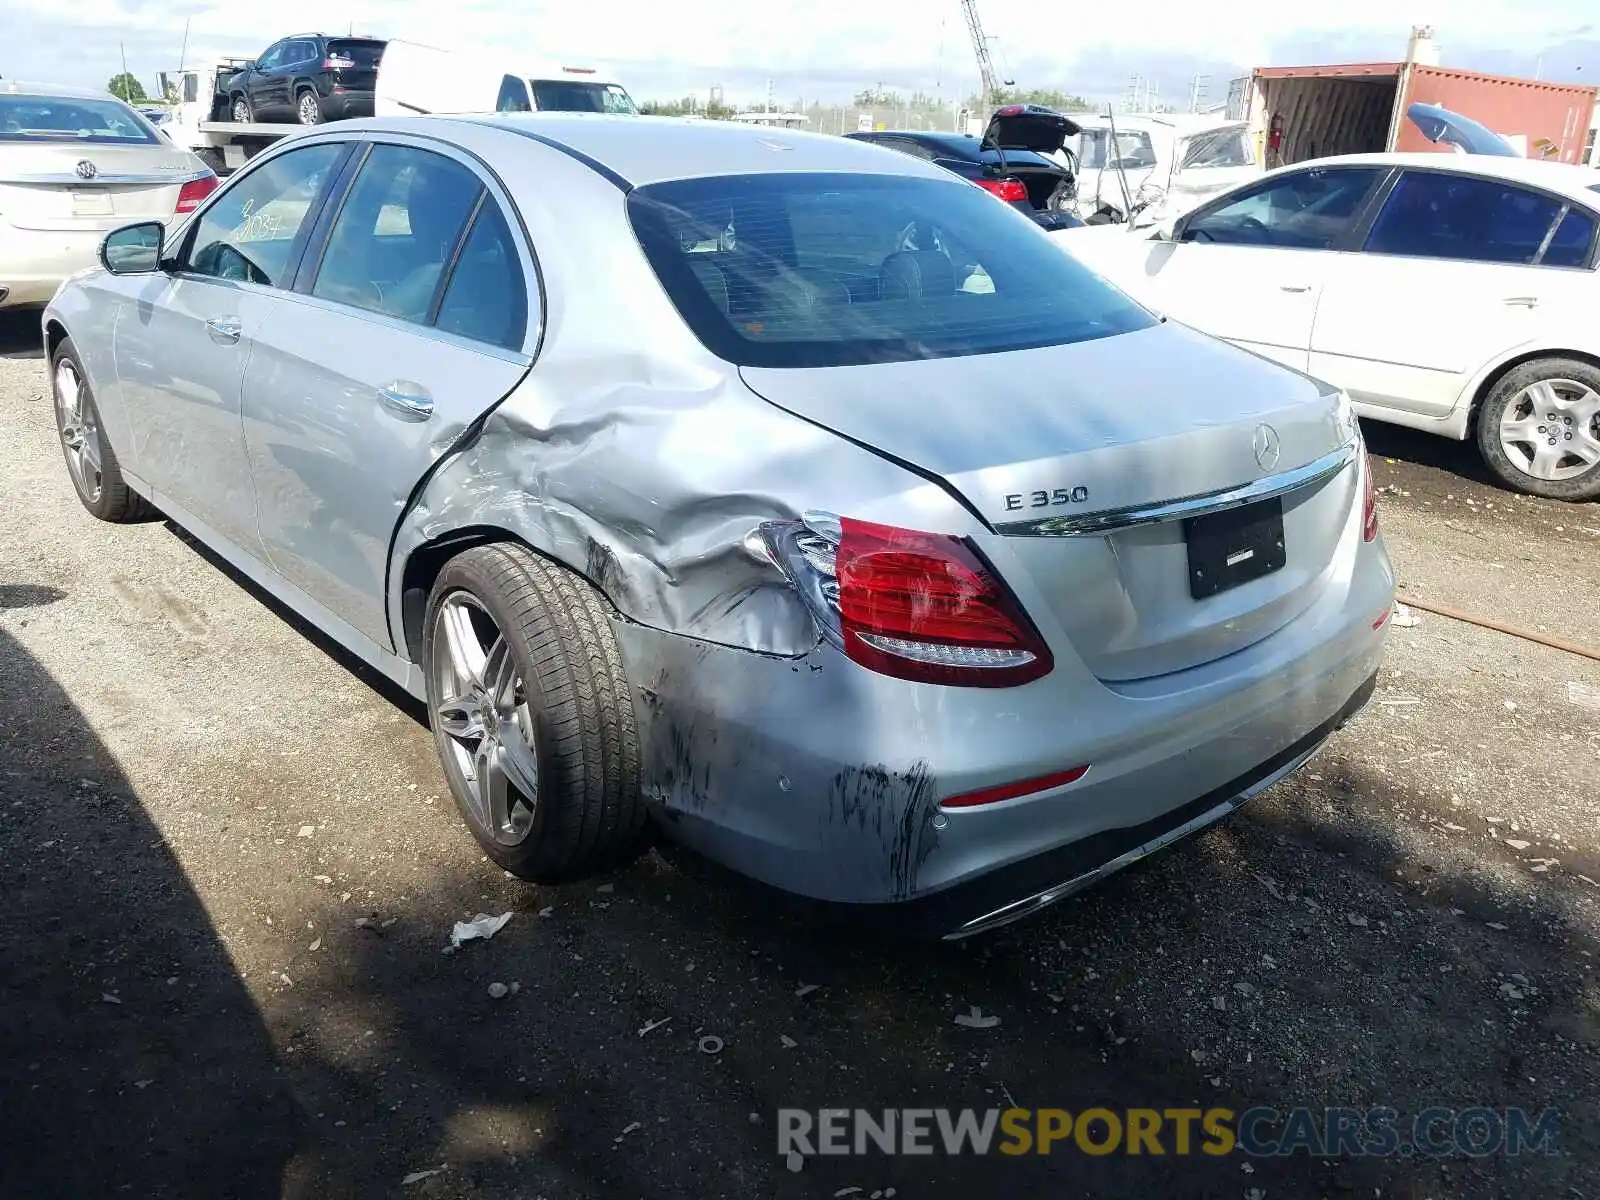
1524	301
224	329
407	399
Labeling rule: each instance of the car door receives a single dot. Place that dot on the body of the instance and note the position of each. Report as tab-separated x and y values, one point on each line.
261	81
1455	271
276	100
182	346
408	323
1249	267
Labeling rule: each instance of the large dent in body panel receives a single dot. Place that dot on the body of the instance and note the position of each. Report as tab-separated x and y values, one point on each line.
649	488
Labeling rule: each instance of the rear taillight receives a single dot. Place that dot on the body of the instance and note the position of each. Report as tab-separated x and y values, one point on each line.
918	606
196	190
1011	191
1369	500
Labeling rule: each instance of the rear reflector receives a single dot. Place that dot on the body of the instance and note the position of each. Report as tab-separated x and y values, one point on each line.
193	192
1010	791
1011	191
1383	618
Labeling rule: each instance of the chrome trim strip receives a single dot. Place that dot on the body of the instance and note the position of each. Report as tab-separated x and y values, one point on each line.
1111	520
1018	909
72	178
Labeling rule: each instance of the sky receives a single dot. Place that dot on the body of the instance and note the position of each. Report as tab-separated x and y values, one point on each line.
823	49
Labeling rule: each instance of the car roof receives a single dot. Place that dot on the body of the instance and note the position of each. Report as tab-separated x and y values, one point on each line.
644	150
20	87
1575	182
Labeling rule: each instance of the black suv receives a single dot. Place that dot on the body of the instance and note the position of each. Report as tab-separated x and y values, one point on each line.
309	78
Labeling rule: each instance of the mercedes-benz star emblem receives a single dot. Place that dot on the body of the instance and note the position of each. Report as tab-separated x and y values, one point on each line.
1266	445
86	170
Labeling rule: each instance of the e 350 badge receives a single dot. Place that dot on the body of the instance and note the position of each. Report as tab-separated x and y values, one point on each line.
1051	499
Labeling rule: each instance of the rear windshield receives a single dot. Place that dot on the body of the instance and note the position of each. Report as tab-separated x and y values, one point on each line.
563	95
821	270
363	54
54	119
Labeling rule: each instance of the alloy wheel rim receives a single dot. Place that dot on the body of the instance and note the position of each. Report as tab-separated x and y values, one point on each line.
484	721
241	112
1551	430
308	109
80	434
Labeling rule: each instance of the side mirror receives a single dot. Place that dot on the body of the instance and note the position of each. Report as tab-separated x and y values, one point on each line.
133	249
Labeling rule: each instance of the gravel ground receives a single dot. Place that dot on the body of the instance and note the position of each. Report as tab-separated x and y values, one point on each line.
232	865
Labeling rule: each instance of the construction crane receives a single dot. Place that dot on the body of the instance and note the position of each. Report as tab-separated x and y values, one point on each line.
980	47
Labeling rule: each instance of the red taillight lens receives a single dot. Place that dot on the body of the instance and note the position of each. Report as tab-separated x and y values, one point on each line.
1011	191
918	606
1369	500
196	190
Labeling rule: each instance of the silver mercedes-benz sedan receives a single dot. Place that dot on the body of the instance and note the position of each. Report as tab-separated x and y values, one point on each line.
778	493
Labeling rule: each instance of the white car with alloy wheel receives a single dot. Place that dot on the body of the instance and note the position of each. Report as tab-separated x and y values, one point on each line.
1452	294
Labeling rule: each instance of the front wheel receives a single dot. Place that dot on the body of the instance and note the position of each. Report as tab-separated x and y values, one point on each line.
532	714
91	463
1539	429
308	108
242	115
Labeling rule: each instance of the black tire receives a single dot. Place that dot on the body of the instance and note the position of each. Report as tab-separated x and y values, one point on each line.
1577	488
240	110
589	814
103	492
301	108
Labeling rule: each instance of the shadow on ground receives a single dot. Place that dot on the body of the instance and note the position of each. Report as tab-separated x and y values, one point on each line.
19	334
133	1057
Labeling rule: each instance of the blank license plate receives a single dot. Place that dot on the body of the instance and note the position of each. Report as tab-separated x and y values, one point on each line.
1233	547
87	203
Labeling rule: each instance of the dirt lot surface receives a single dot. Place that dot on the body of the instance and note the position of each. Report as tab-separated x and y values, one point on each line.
231	867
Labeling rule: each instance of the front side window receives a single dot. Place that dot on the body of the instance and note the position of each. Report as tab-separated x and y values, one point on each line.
1304	210
397	231
251	232
26	118
564	95
812	269
513	96
272	57
1430	214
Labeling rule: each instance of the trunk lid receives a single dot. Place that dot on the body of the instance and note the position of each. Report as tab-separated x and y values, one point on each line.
352	63
1029	127
1117	423
72	187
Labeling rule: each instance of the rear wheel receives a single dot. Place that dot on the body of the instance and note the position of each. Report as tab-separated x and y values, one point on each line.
91	463
308	108
1539	429
532	714
242	113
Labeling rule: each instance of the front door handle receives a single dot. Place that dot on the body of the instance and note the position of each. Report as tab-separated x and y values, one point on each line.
1524	301
407	399
1294	287
225	330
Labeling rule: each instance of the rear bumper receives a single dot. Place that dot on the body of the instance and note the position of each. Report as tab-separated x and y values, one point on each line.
823	779
344	104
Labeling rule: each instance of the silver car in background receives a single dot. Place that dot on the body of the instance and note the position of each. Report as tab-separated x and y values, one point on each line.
776	492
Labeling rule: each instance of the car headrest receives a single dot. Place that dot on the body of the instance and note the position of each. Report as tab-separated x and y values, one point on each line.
916	274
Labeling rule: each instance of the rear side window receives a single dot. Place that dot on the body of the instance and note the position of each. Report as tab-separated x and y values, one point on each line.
1573	238
396	233
487	298
55	119
1430	214
1304	210
813	270
513	96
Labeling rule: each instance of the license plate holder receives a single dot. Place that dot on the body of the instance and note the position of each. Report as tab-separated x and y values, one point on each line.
1234	547
91	202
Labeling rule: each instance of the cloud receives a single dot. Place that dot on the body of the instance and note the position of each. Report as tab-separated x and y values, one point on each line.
823	49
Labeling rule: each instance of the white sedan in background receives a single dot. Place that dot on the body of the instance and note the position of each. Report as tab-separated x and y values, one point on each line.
1452	294
73	166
